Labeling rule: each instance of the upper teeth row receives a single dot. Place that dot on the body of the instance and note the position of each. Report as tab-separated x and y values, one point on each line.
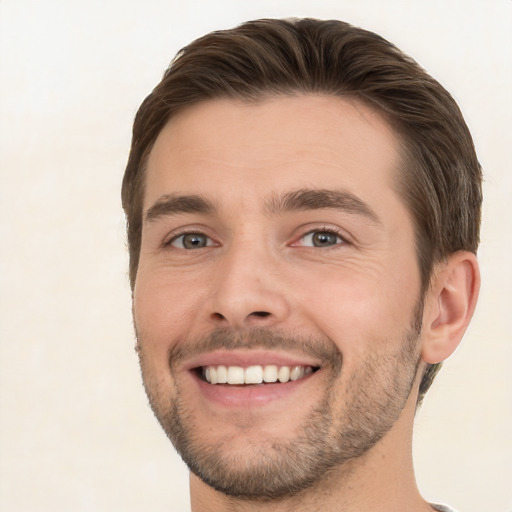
254	374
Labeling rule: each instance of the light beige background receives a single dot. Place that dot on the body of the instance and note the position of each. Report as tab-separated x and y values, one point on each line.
76	433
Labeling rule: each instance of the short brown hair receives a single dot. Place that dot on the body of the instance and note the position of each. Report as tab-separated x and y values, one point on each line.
441	178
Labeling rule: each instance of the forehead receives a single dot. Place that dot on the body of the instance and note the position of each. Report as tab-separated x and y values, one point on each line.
279	143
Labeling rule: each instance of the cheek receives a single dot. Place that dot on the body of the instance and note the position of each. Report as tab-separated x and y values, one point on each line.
163	310
356	308
170	304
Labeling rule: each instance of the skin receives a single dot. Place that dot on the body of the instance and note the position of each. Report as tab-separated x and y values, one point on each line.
356	298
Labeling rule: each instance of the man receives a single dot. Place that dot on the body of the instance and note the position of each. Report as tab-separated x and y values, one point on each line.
303	206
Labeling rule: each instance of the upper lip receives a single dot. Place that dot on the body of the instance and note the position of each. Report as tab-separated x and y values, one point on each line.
250	357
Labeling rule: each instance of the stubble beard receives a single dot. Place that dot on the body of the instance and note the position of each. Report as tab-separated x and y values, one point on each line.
334	434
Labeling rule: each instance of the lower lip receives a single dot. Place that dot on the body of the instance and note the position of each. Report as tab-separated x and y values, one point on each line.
249	396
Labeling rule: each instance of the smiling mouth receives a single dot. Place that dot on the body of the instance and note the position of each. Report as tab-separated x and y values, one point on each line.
252	375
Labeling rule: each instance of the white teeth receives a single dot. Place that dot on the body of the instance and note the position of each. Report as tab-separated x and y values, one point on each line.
270	373
236	375
254	374
222	374
296	372
284	374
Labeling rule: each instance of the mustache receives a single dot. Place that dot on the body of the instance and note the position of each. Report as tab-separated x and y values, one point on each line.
317	346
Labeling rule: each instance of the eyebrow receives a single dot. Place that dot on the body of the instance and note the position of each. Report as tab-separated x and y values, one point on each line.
296	200
317	199
172	204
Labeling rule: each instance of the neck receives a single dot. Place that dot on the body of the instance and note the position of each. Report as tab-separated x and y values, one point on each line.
382	480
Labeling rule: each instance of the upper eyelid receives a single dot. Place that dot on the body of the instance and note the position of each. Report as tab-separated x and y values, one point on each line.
329	231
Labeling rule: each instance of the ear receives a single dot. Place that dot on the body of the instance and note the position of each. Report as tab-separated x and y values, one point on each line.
449	305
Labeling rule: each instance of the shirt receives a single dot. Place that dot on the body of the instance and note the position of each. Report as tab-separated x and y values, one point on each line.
443	508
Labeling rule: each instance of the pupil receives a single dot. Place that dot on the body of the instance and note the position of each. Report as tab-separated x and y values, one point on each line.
194	241
323	238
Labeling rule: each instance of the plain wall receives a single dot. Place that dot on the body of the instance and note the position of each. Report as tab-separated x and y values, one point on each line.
76	432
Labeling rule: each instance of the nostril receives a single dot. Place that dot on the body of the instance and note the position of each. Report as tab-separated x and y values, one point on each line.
235	320
261	314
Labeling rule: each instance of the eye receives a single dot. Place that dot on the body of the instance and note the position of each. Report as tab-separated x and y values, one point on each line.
321	239
191	241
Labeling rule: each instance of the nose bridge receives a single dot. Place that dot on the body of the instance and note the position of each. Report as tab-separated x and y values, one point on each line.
247	289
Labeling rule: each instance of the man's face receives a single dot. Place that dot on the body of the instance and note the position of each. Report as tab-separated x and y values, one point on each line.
274	246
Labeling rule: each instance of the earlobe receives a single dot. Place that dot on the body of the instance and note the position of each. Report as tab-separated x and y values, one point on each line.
449	305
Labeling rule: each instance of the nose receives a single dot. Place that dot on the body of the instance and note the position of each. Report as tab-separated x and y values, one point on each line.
247	290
